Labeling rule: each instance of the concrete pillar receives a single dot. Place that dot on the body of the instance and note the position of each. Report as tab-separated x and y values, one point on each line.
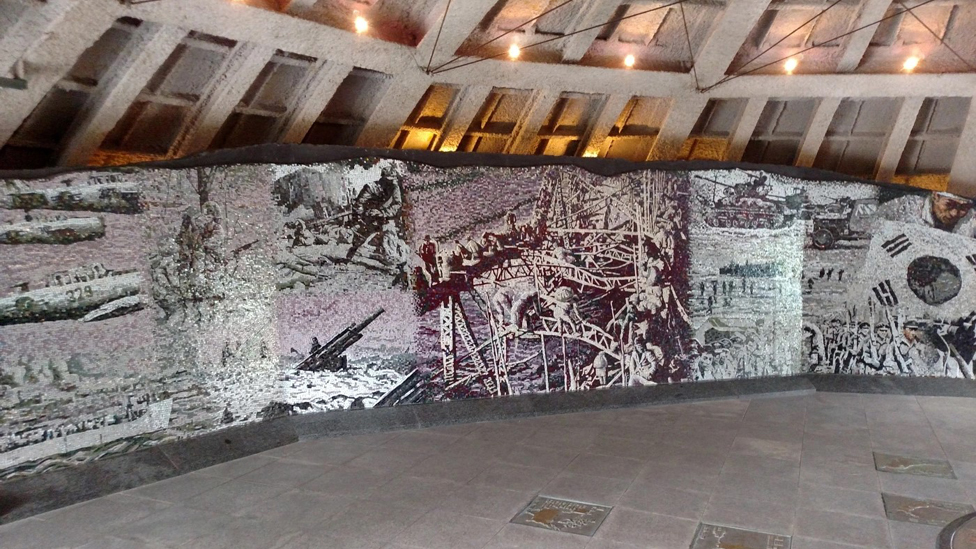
320	83
465	108
231	81
526	134
608	116
823	115
52	57
150	46
394	108
596	12
745	128
727	36
962	178
462	20
897	138
677	126
858	43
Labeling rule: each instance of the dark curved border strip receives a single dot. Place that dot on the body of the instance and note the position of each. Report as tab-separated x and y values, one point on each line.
314	154
945	536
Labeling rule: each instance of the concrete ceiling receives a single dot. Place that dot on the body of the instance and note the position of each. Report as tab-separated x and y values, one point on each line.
110	82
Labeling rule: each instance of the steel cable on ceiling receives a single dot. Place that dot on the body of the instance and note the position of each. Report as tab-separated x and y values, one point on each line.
563	36
848	33
935	34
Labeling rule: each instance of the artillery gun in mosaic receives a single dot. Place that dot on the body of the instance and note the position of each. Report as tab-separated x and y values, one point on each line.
330	355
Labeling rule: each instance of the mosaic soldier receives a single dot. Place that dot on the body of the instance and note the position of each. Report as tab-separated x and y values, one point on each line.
377	203
428	254
940	210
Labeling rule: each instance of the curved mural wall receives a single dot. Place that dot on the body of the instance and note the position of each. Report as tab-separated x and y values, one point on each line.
143	305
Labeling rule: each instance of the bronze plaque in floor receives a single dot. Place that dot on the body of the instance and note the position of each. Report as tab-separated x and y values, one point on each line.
923	511
710	536
563	515
903	465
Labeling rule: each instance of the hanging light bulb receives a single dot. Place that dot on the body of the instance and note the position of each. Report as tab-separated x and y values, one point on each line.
790	65
362	25
514	51
910	64
629	60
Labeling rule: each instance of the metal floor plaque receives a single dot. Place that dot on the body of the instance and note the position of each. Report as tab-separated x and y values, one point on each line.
710	536
563	515
923	511
903	465
959	534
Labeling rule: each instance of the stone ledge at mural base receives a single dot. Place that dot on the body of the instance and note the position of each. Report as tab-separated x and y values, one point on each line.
140	306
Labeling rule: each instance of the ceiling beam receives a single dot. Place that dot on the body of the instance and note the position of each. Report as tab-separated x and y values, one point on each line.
312	94
823	115
727	37
595	12
857	43
526	134
962	178
605	120
677	126
148	48
401	96
278	31
231	81
462	113
462	20
51	59
897	138
744	129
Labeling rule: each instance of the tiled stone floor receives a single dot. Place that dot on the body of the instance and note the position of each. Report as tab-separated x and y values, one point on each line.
796	466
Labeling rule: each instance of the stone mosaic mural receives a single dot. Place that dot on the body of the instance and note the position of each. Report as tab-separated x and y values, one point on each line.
139	306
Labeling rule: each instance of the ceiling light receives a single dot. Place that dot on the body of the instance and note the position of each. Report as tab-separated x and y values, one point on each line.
362	25
910	64
790	65
514	51
629	60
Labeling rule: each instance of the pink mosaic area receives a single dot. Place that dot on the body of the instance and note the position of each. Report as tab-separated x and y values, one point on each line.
142	306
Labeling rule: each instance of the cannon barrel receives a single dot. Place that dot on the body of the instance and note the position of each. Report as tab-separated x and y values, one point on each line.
333	349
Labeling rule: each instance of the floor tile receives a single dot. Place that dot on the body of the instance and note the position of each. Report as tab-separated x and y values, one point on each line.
907	535
347	480
516	477
441	529
647	530
840	475
842	528
832	498
247	533
285	472
602	490
479	500
229	498
663	500
750	514
299	509
751	446
517	536
237	467
598	465
420	493
328	451
174	526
